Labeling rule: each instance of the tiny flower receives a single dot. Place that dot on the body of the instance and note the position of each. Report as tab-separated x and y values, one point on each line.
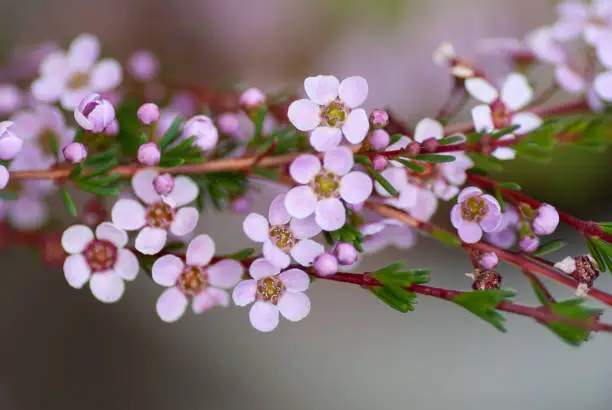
576	19
163	184
4	177
143	65
242	204
545	46
273	292
99	259
149	154
159	215
386	232
94	113
10	98
75	152
326	187
201	127
488	260
379	163
529	243
379	139
346	253
485	279
379	118
194	279
326	264
10	144
503	108
148	113
283	235
253	97
474	213
546	220
583	269
228	123
71	76
331	111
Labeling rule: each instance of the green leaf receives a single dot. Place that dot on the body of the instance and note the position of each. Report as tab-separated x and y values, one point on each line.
243	254
509	185
605	251
533	153
266	173
78	136
348	234
362	159
76	171
505	131
446	237
411	165
483	303
453	139
383	182
549	247
101	169
266	145
183	148
113	190
435	158
500	198
171	134
100	159
395	138
486	163
390	298
8	196
539	291
70	206
105	180
171	162
258	120
573	309
596	254
53	145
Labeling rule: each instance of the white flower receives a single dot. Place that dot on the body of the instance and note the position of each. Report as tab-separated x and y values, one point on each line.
101	260
331	111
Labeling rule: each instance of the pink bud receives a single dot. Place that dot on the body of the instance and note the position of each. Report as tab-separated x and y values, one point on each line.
112	129
326	264
546	221
379	118
379	139
430	145
164	184
242	205
10	144
201	127
75	152
4	177
149	154
143	65
529	243
346	253
148	113
489	260
10	98
94	113
228	123
379	163
253	97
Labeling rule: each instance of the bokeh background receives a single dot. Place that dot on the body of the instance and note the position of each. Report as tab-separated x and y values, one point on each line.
61	349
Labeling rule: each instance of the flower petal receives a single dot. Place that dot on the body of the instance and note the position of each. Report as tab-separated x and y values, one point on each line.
455	215
306	251
142	183
128	214
355	187
603	85
76	271
277	213
166	270
304	228
322	89
107	287
338	160
516	92
300	201
83	52
304	114
264	316
185	221
113	234
256	227
528	122
76	238
425	205
481	89
330	214
225	273
468	192
151	240
208	299
428	128
470	232
304	168
353	91
294	306
200	251
184	192
262	268
127	266
483	118
325	138
356	126
567	265
244	292
295	280
106	75
171	305
276	256
396	177
569	80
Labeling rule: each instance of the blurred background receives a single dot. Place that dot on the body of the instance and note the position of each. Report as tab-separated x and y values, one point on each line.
61	349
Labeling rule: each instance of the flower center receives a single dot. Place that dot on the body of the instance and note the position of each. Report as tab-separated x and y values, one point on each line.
193	280
334	114
78	80
326	184
474	209
160	215
501	115
270	289
101	255
282	237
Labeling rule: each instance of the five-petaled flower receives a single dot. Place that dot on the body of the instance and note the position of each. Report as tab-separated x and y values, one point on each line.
475	212
330	111
325	187
283	235
273	291
194	279
160	214
99	259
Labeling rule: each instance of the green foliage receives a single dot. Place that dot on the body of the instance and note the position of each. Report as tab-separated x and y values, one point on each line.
8	196
410	165
488	164
505	131
395	138
70	206
509	185
129	128
171	134
434	158
382	181
243	254
363	159
258	119
606	227
266	173
184	152
483	303
603	250
395	282
453	139
219	188
97	181
348	234
445	236
549	247
572	309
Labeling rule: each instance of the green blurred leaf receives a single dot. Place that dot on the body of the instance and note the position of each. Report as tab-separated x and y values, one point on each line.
446	237
549	247
99	190
434	158
483	303
573	309
171	134
70	206
8	196
362	159
410	165
266	173
383	182
453	139
243	254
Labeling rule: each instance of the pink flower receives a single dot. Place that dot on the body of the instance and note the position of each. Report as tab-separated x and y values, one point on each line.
326	264
94	113
331	111
204	130
228	123
505	235
379	139
283	235
10	144
253	97
325	188
577	19
603	85
10	98
4	177
194	279
488	260
101	260
273	292
387	232
148	113
503	108
143	65
398	178
163	184
75	152
475	212
346	253
70	76
529	243
160	214
546	220
379	118
149	154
